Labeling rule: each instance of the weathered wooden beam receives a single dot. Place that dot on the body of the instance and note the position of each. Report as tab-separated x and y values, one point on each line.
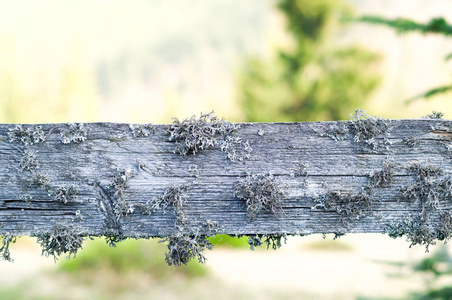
204	176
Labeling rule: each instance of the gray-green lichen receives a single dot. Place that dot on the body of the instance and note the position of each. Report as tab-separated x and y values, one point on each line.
78	216
187	243
429	187
444	232
435	115
142	130
299	170
182	248
29	162
411	141
261	192
235	148
349	207
5	242
254	241
26	135
415	230
64	194
63	238
112	237
384	177
336	132
362	127
195	134
76	133
40	180
273	241
119	184
173	196
366	128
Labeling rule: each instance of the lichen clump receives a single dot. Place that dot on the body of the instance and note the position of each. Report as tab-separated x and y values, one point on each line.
183	248
40	180
119	185
236	149
29	162
261	192
142	130
75	134
349	207
61	239
416	232
186	243
173	196
428	187
435	115
26	135
195	134
384	177
365	128
271	240
6	241
64	194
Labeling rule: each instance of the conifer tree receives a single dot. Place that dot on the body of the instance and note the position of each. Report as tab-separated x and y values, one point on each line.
434	26
312	78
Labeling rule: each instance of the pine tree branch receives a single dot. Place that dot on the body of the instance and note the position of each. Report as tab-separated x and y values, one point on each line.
430	93
401	25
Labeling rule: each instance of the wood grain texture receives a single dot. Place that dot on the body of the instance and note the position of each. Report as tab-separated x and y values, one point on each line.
305	163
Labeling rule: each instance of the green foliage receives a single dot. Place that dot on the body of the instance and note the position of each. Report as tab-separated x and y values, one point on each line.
311	78
128	256
227	241
438	264
401	25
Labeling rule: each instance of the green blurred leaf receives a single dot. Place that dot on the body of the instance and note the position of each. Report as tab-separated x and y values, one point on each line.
430	93
401	25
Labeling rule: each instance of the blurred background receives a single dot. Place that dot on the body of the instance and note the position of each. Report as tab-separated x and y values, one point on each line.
254	61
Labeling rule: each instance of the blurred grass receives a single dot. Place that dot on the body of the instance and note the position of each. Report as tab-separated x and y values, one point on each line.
134	269
128	256
227	241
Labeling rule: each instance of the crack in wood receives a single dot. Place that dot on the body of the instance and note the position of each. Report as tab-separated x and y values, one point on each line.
106	205
443	133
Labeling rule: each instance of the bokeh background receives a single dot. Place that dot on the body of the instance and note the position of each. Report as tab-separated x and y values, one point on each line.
268	60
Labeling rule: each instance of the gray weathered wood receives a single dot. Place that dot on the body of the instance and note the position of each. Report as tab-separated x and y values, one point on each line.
281	149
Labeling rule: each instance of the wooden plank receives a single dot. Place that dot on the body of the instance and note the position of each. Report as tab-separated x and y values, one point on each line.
103	178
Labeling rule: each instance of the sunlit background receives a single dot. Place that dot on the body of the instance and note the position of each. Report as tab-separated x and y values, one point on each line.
151	60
